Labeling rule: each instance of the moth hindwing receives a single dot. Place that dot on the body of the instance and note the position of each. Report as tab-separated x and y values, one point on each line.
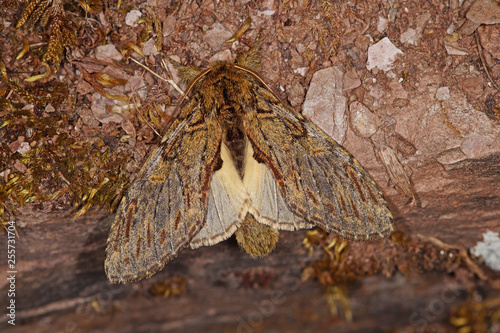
239	160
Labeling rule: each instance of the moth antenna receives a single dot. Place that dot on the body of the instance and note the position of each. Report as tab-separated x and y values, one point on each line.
169	81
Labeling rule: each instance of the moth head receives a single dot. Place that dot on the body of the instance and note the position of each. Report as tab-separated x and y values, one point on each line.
250	59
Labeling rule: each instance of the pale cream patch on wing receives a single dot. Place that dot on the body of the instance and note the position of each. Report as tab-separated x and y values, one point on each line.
228	204
268	206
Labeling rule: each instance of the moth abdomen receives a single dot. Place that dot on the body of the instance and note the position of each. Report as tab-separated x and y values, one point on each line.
257	239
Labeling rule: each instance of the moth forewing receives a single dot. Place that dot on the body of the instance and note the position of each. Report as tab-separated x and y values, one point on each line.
320	182
364	212
166	204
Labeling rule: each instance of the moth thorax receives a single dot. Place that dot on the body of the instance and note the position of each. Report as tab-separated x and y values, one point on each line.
257	239
234	134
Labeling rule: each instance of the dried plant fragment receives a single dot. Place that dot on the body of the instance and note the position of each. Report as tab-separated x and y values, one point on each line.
333	271
40	76
397	172
128	47
175	286
241	30
26	48
91	6
59	26
477	316
107	80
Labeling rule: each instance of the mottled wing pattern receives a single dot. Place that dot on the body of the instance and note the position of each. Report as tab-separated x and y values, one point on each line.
167	203
319	180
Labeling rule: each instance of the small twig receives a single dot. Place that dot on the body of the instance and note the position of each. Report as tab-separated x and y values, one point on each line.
100	62
447	122
37	45
365	28
134	99
483	61
171	82
465	256
55	306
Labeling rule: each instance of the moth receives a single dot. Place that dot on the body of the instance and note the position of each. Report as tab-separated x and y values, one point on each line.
238	160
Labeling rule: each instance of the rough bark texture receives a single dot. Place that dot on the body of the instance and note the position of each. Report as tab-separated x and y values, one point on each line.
61	285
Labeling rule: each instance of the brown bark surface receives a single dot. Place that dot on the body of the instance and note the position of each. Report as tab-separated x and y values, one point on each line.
61	285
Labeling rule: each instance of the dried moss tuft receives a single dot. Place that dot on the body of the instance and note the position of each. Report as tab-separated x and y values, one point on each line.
475	315
53	165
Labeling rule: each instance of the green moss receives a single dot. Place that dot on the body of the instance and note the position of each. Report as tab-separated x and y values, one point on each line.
334	271
58	167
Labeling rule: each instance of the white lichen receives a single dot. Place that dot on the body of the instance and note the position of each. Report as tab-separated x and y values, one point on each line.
489	249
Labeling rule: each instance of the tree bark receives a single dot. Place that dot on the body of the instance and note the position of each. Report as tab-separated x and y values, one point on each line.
61	286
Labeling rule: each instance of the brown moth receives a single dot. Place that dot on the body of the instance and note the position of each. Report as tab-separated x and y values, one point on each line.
238	160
